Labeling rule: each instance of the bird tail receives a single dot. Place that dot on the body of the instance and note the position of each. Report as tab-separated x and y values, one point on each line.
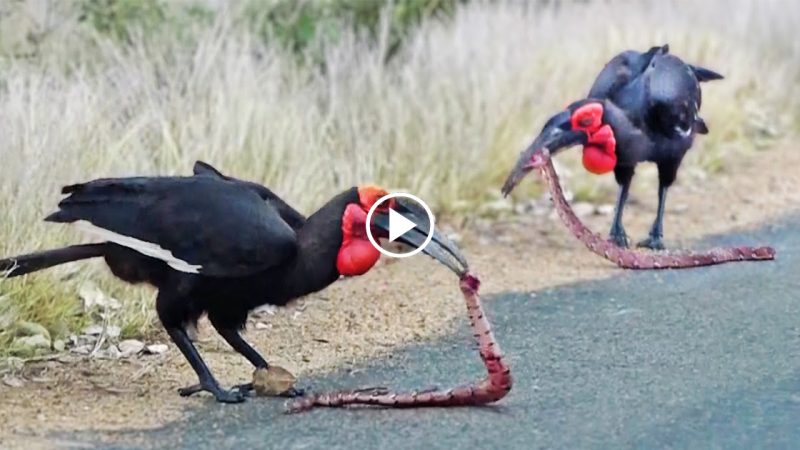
24	264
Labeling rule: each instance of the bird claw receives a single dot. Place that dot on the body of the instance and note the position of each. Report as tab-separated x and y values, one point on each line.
245	388
232	396
190	390
294	392
653	243
619	238
221	395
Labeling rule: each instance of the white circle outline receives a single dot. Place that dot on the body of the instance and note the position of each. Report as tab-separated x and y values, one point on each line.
393	254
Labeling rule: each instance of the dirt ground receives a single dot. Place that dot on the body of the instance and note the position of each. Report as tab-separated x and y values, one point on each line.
397	303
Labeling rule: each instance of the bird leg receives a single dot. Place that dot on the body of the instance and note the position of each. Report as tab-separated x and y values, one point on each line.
491	389
617	234
207	381
655	240
235	340
631	259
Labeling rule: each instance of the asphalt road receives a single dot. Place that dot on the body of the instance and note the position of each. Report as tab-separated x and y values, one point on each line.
704	358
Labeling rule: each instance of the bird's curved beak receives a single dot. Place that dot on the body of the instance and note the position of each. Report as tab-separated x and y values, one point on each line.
439	248
556	136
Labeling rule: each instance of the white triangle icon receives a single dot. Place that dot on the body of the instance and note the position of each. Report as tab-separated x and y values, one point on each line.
398	225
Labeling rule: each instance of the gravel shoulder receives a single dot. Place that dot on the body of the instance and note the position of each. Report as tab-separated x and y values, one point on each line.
398	303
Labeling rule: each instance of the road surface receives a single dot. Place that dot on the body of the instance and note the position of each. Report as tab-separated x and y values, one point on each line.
703	358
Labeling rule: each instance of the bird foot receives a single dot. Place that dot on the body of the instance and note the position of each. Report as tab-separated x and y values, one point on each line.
294	393
221	395
619	238
653	243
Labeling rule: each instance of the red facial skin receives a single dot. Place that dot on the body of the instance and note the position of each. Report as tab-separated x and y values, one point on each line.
599	154
357	254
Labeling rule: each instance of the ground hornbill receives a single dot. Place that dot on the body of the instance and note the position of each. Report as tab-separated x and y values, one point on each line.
221	246
641	107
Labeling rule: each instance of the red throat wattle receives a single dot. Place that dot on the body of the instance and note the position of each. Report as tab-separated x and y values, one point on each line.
600	152
356	255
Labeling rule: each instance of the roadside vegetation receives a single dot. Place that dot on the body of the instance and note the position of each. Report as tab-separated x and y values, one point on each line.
434	97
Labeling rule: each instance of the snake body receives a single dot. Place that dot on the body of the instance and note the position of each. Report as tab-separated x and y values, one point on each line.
488	390
634	259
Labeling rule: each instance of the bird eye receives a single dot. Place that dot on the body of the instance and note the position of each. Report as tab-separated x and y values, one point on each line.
587	117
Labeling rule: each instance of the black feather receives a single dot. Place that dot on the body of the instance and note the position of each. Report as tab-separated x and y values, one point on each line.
287	213
219	225
704	74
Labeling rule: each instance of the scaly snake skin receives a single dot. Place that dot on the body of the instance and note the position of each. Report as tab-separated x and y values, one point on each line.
491	389
632	259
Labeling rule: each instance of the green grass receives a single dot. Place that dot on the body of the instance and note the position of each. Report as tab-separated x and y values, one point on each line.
445	117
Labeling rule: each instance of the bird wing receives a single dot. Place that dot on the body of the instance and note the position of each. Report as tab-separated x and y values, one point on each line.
289	214
621	70
195	224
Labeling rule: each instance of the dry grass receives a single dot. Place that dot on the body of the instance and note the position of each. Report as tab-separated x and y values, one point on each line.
444	119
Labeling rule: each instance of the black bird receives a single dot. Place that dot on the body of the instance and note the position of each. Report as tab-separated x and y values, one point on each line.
642	107
220	246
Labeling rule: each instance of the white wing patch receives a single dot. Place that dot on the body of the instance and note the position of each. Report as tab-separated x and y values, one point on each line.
146	248
7	273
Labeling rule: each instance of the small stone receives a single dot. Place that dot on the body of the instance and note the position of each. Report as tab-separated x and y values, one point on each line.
93	297
111	331
156	349
82	349
111	352
583	209
59	345
605	209
273	381
12	381
455	237
130	347
266	309
37	341
6	320
11	364
263	326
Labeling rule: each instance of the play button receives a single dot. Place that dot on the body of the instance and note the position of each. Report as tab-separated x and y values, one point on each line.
398	225
414	214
